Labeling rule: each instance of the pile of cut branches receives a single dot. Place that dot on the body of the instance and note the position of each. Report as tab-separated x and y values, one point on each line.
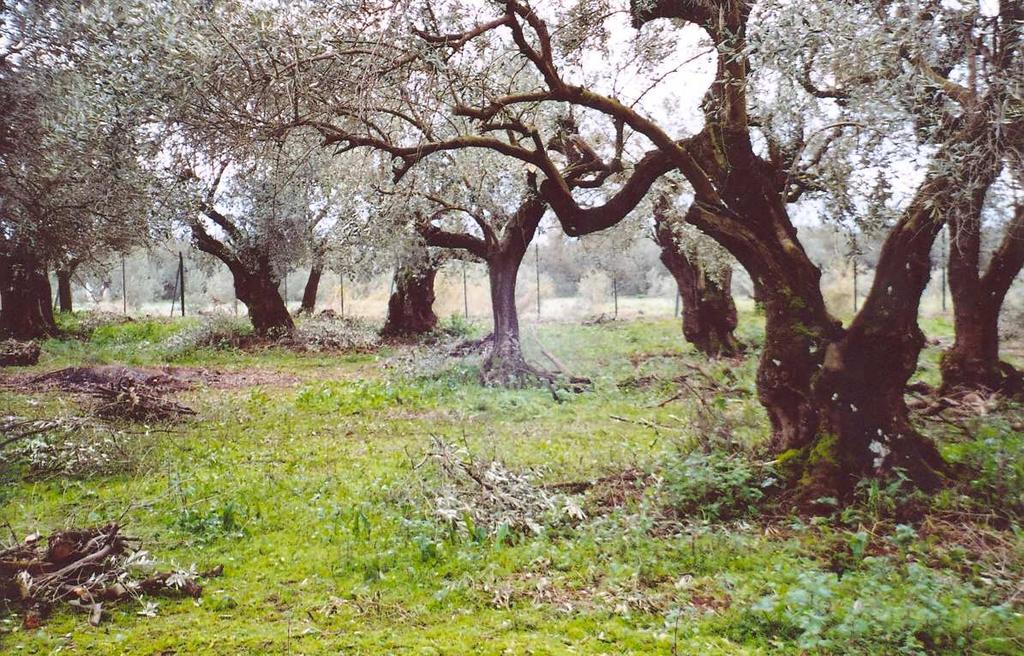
65	446
85	568
18	354
14	429
472	346
127	399
486	497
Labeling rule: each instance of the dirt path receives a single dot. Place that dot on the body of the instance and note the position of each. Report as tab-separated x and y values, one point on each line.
165	378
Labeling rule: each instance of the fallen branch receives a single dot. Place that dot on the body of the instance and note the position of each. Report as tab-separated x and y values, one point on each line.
559	367
640	422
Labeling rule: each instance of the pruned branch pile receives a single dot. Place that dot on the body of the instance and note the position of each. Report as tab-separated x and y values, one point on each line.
18	354
85	568
128	399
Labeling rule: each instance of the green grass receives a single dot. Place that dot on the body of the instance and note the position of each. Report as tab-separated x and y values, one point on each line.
315	499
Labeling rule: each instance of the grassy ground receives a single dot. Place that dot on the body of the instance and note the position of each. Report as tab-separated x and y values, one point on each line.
315	492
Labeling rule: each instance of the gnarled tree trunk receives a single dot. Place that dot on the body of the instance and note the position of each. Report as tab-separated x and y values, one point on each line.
505	365
26	304
64	299
309	293
863	381
256	282
258	289
411	306
973	361
798	326
866	428
709	313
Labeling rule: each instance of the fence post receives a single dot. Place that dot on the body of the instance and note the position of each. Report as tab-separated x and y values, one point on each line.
465	293
181	277
855	290
536	266
124	288
615	293
675	314
341	292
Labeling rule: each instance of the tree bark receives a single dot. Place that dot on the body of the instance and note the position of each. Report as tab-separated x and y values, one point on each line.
411	306
64	298
862	384
973	361
267	310
505	365
709	313
309	293
26	302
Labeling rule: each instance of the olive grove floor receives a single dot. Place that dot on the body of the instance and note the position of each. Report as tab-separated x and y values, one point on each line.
309	478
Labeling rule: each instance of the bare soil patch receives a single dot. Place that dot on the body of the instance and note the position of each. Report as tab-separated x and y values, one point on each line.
162	379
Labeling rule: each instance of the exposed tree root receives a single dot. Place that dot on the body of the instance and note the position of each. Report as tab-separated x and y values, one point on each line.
508	368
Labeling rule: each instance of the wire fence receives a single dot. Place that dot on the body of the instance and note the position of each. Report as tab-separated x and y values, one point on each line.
187	282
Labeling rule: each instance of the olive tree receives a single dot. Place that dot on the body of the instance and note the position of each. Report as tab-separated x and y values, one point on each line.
979	290
72	181
834	394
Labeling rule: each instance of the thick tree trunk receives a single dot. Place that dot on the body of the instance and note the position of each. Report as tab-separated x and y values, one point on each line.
312	288
256	284
973	361
503	253
798	326
709	313
863	381
26	303
267	310
505	364
794	342
64	300
866	429
411	306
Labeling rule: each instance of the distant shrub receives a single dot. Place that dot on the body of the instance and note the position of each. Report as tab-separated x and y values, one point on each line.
329	333
218	331
457	325
143	331
713	485
83	324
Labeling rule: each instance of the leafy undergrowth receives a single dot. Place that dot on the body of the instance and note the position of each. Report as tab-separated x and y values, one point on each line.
388	508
